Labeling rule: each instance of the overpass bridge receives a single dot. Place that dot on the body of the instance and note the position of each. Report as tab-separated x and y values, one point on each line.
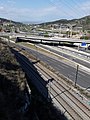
51	40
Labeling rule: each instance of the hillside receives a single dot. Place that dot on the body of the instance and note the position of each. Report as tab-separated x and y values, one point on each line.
84	22
12	86
11	26
3	20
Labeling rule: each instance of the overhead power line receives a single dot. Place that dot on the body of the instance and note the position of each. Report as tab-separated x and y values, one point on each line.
60	7
73	10
78	5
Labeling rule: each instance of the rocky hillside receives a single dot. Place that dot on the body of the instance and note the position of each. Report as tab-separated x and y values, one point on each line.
13	90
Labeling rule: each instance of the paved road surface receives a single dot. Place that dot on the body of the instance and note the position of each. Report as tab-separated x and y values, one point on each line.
77	60
68	71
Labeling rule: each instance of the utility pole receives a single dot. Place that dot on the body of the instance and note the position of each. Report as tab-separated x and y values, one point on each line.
76	75
60	29
71	30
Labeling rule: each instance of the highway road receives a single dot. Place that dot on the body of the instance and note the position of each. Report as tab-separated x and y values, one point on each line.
83	79
74	56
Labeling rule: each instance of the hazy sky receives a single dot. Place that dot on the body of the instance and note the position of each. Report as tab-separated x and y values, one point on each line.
43	10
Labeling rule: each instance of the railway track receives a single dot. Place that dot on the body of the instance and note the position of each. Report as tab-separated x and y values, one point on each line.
59	91
59	87
68	108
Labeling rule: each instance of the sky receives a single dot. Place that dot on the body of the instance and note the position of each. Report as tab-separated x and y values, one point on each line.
43	10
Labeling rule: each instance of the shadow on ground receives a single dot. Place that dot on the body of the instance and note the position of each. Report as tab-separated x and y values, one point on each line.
11	99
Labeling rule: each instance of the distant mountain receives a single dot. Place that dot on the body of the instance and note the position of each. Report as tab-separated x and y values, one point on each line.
84	22
11	26
3	20
31	22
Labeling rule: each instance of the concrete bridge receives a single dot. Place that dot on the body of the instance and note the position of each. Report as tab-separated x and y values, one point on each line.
52	40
